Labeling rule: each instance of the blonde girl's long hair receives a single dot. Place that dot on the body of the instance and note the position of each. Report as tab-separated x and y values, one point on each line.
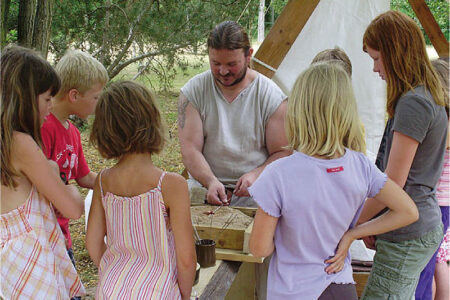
322	116
24	76
405	59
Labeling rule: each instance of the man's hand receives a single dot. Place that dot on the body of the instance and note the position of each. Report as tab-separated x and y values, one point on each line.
216	193
245	182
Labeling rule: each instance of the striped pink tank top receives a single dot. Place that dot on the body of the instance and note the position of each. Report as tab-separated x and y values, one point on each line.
443	186
140	261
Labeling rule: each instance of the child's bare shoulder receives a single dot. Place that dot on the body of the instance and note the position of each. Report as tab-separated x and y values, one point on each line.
23	143
173	180
175	190
25	151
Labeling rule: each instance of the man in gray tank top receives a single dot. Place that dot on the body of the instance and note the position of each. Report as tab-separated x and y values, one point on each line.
231	120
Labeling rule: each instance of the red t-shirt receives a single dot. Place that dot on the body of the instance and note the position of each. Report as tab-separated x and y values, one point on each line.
64	147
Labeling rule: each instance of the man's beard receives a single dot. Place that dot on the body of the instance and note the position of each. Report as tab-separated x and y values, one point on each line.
239	79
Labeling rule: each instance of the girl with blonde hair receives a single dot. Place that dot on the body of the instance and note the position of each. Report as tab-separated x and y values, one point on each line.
411	154
309	202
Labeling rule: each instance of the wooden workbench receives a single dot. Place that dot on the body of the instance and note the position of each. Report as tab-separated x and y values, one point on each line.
229	280
233	280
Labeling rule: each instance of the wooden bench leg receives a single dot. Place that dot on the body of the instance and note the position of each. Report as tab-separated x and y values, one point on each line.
243	286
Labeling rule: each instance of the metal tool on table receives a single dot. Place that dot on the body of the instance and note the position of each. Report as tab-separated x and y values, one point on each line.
227	223
197	237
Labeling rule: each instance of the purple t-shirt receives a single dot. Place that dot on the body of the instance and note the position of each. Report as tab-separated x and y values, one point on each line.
316	201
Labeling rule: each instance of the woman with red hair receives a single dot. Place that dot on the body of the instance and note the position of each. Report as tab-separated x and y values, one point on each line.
411	154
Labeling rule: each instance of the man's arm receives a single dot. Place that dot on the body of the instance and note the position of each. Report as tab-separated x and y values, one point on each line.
275	141
190	134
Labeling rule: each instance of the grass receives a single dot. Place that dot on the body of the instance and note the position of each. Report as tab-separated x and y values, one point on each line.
169	159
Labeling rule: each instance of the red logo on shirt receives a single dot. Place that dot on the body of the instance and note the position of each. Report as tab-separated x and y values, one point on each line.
334	170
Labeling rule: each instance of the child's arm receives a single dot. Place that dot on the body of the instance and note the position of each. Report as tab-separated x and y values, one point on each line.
35	166
176	196
87	181
96	229
261	239
403	211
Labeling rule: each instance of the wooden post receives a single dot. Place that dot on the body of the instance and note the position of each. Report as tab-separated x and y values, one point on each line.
431	27
283	34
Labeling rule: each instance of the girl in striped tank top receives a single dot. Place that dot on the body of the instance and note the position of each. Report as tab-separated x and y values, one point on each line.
143	211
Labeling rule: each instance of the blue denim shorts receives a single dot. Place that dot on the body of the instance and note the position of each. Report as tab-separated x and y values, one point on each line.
397	266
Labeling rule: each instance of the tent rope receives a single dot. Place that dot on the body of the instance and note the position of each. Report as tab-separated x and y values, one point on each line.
264	64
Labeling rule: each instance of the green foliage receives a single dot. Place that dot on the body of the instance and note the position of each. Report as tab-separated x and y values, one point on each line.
439	9
278	5
155	34
11	24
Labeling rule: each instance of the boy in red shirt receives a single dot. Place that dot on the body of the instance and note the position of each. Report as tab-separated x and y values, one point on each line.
82	81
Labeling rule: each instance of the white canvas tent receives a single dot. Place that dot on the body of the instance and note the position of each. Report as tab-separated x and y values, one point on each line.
342	23
306	27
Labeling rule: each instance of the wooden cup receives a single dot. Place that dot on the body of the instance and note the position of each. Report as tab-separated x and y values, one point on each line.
206	253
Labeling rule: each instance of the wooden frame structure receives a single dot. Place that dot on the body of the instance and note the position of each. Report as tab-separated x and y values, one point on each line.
284	32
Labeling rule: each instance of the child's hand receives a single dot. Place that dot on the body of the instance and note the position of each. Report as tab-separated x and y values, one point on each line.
337	262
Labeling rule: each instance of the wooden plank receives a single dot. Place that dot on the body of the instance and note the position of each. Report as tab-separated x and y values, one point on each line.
221	281
247	233
226	226
205	277
234	255
249	211
431	27
224	238
361	280
243	287
283	34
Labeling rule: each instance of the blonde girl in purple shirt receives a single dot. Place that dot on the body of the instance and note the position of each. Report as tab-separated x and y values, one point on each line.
309	202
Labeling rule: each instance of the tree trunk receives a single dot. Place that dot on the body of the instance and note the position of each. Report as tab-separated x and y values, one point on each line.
262	6
4	22
104	52
25	24
42	26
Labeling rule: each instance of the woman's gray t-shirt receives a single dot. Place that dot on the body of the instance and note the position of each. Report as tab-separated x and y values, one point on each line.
419	117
